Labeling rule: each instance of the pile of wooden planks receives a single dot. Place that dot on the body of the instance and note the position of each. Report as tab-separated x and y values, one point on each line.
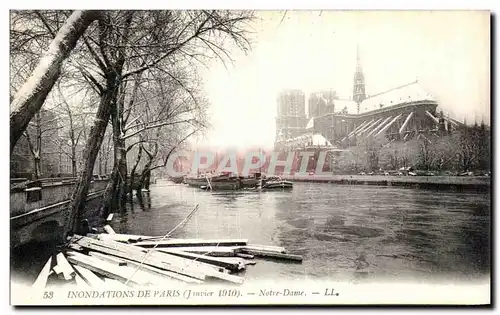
128	260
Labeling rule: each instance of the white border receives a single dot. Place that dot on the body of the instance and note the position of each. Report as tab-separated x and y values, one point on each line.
187	4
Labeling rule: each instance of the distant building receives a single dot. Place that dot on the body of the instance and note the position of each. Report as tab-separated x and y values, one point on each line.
291	115
402	113
321	103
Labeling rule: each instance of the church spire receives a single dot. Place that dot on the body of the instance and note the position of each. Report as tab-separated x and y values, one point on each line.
358	93
357	55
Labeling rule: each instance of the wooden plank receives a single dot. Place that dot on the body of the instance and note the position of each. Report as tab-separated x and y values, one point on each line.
137	251
139	257
58	271
215	251
242	255
160	260
109	270
123	273
258	247
231	265
123	237
66	268
193	242
41	280
109	218
109	229
139	254
262	253
154	270
109	258
90	277
76	247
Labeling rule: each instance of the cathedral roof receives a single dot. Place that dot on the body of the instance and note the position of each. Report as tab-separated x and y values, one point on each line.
309	139
348	105
412	92
407	93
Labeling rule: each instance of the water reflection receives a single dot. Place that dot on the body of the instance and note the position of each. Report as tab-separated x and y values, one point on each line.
144	200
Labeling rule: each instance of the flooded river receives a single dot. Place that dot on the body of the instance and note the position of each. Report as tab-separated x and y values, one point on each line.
403	234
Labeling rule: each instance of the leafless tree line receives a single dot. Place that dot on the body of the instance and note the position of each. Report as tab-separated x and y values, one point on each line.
467	149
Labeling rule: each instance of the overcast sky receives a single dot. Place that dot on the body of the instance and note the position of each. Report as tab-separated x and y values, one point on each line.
311	50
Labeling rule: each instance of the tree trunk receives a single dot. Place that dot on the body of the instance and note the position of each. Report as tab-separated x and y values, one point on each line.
145	176
147	180
30	98
38	166
106	161
100	162
73	166
120	163
132	173
90	154
109	204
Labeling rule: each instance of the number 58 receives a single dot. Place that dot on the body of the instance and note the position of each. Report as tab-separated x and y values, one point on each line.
48	294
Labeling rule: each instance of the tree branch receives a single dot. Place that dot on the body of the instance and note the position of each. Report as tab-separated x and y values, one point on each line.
198	32
172	150
45	23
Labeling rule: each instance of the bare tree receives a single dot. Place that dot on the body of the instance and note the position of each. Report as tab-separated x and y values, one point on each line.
427	157
30	97
73	119
468	147
127	44
43	127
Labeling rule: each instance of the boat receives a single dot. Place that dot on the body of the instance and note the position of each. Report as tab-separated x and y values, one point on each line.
219	182
196	181
275	182
251	181
233	184
176	179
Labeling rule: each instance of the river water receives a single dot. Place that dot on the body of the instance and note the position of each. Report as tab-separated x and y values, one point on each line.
402	234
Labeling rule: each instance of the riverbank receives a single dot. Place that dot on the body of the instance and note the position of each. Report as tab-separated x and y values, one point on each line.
481	183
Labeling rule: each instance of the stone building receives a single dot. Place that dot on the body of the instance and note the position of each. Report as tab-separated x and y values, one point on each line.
291	116
399	114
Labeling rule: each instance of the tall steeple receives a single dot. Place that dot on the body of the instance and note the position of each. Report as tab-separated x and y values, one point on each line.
358	93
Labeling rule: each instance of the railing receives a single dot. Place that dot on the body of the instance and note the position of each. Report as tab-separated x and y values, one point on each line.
33	197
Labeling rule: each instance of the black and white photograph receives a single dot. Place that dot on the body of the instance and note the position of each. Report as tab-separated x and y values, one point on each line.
250	157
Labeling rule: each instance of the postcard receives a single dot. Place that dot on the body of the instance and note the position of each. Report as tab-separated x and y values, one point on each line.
250	157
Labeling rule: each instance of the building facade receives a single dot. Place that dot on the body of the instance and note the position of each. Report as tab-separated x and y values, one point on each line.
291	115
321	103
403	113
